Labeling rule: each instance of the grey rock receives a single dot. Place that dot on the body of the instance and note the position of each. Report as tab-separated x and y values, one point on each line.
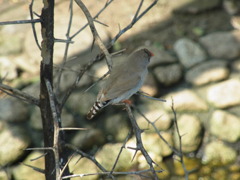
217	153
89	138
33	90
161	119
225	126
210	71
224	94
160	57
13	141
79	165
68	79
156	146
194	7
168	75
224	45
185	100
11	40
13	110
119	132
8	69
232	7
4	175
24	172
190	129
108	155
36	119
81	103
189	52
236	66
150	85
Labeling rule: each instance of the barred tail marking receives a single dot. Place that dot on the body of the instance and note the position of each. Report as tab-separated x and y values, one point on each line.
97	106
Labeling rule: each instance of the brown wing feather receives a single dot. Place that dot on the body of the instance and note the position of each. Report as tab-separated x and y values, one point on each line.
119	83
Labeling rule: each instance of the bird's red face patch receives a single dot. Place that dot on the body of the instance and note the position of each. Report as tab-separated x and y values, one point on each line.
149	52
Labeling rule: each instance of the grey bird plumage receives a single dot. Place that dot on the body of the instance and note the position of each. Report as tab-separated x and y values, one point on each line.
125	80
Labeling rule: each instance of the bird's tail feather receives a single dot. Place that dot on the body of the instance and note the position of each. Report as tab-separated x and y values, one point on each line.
97	107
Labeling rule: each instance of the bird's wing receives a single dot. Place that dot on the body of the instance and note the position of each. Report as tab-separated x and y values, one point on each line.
117	86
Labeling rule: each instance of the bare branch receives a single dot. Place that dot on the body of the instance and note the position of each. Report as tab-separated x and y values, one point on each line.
95	34
83	154
56	120
186	172
33	25
140	146
134	21
156	130
59	76
123	146
19	94
73	129
35	168
113	173
20	22
96	16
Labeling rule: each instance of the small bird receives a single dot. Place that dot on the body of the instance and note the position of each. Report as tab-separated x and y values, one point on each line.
125	80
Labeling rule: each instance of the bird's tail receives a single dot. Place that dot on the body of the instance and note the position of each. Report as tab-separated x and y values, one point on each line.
97	107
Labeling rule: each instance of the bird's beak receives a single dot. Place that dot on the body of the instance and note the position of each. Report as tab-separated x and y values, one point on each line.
151	54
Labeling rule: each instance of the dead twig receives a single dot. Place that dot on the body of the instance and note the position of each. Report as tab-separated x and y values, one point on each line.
137	131
91	158
20	22
95	34
33	25
123	146
180	154
19	94
139	173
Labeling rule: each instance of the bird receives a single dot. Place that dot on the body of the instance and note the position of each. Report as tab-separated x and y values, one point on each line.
125	79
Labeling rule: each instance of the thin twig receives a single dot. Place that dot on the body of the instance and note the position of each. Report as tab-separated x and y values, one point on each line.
156	130
180	154
113	173
19	94
140	147
34	159
134	21
20	22
73	129
35	168
94	17
91	158
95	34
123	146
33	25
59	76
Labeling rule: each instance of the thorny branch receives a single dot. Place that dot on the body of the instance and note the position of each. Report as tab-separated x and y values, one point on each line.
56	120
123	146
113	173
20	22
180	154
91	158
19	94
140	147
95	34
33	25
177	152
